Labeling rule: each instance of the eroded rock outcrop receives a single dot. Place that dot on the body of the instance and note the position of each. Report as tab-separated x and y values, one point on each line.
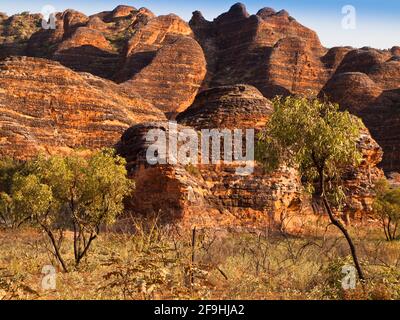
15	32
167	61
46	107
367	83
293	67
269	50
146	54
78	44
260	195
239	106
211	194
334	57
352	90
151	37
279	56
169	190
386	74
87	50
219	194
172	79
141	67
360	181
383	117
243	106
361	60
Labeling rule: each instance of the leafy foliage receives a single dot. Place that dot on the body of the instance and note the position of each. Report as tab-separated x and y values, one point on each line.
311	135
61	193
19	27
387	207
9	215
321	142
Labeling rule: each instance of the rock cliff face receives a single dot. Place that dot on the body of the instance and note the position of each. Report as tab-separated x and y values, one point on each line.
279	56
95	76
269	50
359	182
217	193
155	57
173	78
46	107
86	44
164	64
15	32
168	61
367	83
230	107
205	194
352	90
262	196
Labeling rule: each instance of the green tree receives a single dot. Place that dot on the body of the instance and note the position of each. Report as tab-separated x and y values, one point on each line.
71	193
319	140
34	201
9	216
387	207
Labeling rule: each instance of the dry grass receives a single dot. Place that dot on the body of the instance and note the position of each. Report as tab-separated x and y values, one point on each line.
156	263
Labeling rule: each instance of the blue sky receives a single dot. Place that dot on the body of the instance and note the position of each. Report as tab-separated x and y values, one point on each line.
377	24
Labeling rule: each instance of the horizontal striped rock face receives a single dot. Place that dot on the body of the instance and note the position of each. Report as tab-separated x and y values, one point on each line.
46	107
167	61
210	194
367	82
269	50
217	194
276	54
153	56
84	83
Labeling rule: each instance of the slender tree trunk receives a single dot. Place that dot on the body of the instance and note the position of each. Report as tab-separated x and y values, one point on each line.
340	226
384	229
389	225
85	249
75	241
56	249
4	219
23	221
193	255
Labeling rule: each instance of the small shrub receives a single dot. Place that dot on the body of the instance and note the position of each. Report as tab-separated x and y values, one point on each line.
387	208
67	193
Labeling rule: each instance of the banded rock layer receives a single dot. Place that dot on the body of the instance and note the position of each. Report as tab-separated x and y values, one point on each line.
218	193
155	57
46	107
128	68
205	194
168	61
15	32
269	50
367	83
279	56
